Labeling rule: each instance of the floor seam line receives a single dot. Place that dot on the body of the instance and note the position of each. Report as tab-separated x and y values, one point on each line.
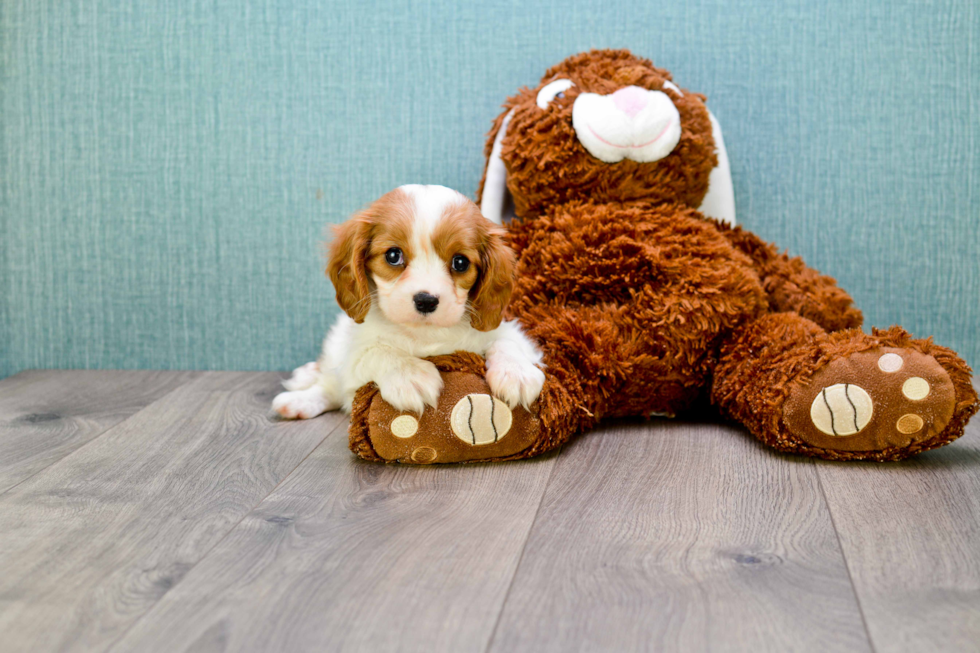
847	565
520	558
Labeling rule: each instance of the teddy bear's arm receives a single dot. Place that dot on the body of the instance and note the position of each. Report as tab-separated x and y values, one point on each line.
793	286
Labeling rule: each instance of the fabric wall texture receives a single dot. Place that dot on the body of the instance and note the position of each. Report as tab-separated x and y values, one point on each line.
167	168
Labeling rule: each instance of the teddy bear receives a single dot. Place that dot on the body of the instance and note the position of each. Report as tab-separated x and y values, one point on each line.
646	304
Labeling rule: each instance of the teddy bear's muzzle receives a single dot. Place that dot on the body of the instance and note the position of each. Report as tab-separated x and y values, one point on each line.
632	123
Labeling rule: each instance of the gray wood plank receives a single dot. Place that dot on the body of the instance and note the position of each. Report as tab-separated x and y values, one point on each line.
89	544
910	532
47	414
680	537
354	556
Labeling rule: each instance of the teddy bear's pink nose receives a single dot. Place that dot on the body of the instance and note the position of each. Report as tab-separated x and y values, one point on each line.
631	100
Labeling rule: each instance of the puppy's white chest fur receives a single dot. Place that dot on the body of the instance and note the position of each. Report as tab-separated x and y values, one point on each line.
420	341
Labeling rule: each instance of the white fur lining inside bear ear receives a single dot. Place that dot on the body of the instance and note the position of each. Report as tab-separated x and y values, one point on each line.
495	185
719	201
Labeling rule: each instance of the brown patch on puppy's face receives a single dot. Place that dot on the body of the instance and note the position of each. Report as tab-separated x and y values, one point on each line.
605	126
392	230
459	234
489	274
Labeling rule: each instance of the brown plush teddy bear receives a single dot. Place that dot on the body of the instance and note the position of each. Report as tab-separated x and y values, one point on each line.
642	304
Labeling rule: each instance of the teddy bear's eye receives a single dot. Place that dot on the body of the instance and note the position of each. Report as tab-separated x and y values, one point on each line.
552	90
673	87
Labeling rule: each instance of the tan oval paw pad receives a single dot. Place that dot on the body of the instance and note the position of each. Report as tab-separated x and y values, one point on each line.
480	419
424	455
890	363
404	426
910	423
842	409
916	388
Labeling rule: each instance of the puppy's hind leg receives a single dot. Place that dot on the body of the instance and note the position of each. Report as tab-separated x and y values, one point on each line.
303	404
322	396
303	377
315	388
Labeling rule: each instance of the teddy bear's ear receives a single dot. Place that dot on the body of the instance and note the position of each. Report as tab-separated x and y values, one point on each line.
719	201
493	196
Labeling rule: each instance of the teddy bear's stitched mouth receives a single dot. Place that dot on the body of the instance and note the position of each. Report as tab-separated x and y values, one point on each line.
632	147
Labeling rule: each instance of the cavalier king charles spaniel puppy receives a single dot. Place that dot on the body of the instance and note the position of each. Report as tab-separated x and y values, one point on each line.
420	272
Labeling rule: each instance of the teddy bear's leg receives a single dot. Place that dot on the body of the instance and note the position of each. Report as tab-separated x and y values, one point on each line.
584	352
469	424
792	286
845	395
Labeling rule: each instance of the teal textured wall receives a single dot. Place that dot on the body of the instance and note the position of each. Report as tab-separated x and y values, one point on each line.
168	167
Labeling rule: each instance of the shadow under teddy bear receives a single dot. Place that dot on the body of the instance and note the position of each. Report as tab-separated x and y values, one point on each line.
642	304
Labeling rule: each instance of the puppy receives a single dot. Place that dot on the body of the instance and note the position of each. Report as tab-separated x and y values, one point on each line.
418	273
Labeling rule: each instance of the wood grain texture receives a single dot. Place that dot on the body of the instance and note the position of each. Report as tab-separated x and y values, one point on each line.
355	556
680	537
47	414
910	532
93	541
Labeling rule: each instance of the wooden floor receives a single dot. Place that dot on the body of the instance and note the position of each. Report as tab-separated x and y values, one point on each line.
166	511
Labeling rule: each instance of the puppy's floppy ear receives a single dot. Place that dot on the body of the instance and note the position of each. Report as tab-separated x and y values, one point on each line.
347	266
491	293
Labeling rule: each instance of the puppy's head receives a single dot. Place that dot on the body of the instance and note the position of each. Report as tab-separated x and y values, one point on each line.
426	256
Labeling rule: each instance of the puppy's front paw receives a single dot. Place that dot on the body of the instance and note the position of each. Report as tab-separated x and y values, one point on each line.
413	387
517	382
302	404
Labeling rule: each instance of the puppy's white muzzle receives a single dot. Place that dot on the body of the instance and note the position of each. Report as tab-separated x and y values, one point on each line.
632	123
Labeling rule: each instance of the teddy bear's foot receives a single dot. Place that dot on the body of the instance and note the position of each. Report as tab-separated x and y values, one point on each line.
469	424
887	398
846	395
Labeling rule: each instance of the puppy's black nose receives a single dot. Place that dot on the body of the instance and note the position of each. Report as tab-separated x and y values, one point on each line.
425	303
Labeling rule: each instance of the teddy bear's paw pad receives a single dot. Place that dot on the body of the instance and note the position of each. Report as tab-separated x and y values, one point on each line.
842	409
480	419
467	424
404	426
871	401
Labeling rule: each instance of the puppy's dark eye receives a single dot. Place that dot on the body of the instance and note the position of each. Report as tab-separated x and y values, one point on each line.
394	256
460	263
561	96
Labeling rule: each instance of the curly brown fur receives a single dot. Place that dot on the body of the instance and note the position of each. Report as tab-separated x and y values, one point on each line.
614	290
791	286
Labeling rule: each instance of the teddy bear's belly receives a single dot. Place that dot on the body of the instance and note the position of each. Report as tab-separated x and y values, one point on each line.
635	298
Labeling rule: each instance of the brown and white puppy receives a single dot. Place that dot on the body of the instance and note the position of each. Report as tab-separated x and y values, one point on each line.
418	273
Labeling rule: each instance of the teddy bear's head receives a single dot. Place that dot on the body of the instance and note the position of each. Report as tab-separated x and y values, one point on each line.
604	126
